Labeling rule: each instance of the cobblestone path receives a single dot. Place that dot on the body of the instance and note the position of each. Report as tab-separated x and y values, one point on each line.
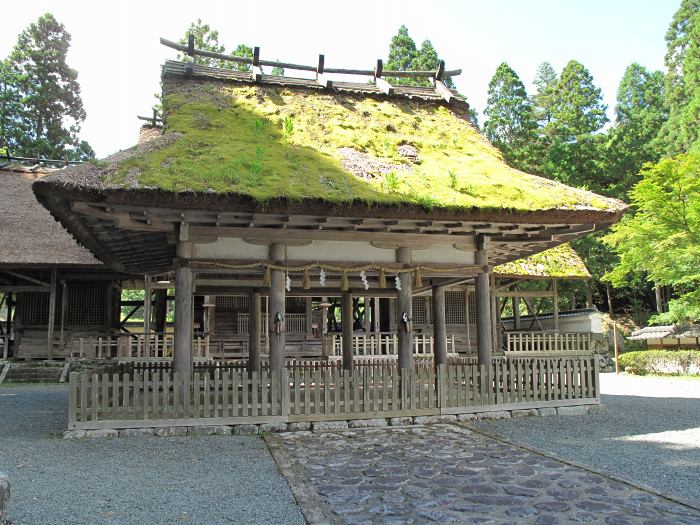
449	474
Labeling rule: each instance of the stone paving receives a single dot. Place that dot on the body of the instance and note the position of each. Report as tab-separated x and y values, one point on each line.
449	474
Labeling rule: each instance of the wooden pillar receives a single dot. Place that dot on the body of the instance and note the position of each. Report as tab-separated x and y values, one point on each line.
182	357
495	315
404	305
467	320
254	323
323	327
64	307
276	324
347	331
308	317
146	306
555	304
161	310
484	335
52	314
376	324
366	317
439	326
516	312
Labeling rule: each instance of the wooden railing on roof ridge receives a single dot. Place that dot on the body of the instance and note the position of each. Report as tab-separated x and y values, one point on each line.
378	73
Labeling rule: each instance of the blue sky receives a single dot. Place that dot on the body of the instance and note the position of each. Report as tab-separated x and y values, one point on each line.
116	51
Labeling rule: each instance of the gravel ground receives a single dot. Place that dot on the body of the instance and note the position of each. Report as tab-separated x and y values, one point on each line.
650	435
202	480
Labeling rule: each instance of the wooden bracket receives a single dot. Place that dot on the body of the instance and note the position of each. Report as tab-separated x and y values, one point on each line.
444	91
321	79
382	84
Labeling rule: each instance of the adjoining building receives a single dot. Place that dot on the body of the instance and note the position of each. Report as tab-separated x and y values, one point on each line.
284	187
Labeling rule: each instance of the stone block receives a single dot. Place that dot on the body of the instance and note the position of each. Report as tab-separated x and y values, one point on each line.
4	496
578	410
102	433
431	420
400	421
272	427
301	425
329	425
209	430
466	417
171	431
74	434
245	430
526	412
364	423
547	411
496	414
137	432
597	410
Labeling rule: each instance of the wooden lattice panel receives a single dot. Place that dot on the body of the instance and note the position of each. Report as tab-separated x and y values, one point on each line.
454	307
86	305
420	315
231	302
471	298
33	308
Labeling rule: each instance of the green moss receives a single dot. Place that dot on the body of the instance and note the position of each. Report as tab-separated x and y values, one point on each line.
560	261
267	143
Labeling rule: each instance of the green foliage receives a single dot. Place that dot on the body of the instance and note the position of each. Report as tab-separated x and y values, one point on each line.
660	362
391	180
206	39
662	239
242	50
40	106
543	100
682	95
511	125
452	177
640	113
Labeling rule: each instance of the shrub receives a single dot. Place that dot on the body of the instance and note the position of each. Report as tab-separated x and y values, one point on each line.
678	362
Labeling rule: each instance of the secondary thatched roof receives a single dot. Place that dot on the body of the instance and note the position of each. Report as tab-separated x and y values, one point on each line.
283	144
561	261
29	235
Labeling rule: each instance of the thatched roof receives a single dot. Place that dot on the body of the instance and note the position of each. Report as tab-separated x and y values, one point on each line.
560	261
29	235
231	143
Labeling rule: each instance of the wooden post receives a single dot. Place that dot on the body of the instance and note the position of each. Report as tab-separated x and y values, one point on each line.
404	304
147	308
276	324
182	356
376	325
516	312
555	304
308	317
161	310
254	332
323	328
366	318
64	308
484	339
52	314
439	327
347	331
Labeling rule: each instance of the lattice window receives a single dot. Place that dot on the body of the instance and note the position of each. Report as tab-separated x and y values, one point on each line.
33	308
419	311
472	306
454	307
86	305
231	302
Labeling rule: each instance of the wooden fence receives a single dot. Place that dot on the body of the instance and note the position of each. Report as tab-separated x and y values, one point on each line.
524	343
133	345
4	345
387	344
232	396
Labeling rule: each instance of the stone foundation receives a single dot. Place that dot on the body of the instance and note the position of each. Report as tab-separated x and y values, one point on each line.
324	426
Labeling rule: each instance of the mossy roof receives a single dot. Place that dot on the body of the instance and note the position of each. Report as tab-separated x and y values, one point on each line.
560	261
343	148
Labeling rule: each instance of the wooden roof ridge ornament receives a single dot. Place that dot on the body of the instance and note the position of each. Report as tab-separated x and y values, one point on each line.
256	70
189	65
382	84
321	77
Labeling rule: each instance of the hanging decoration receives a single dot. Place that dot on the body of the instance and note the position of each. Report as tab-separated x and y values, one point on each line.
397	280
365	283
306	283
344	285
288	283
322	278
267	278
418	280
382	278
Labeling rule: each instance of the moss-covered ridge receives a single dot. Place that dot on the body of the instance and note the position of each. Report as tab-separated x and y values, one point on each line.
560	261
268	142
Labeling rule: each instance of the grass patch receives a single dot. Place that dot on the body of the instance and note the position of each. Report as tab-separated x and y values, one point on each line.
266	142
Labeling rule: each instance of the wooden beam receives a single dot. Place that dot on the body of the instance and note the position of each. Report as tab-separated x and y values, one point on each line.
525	293
25	277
